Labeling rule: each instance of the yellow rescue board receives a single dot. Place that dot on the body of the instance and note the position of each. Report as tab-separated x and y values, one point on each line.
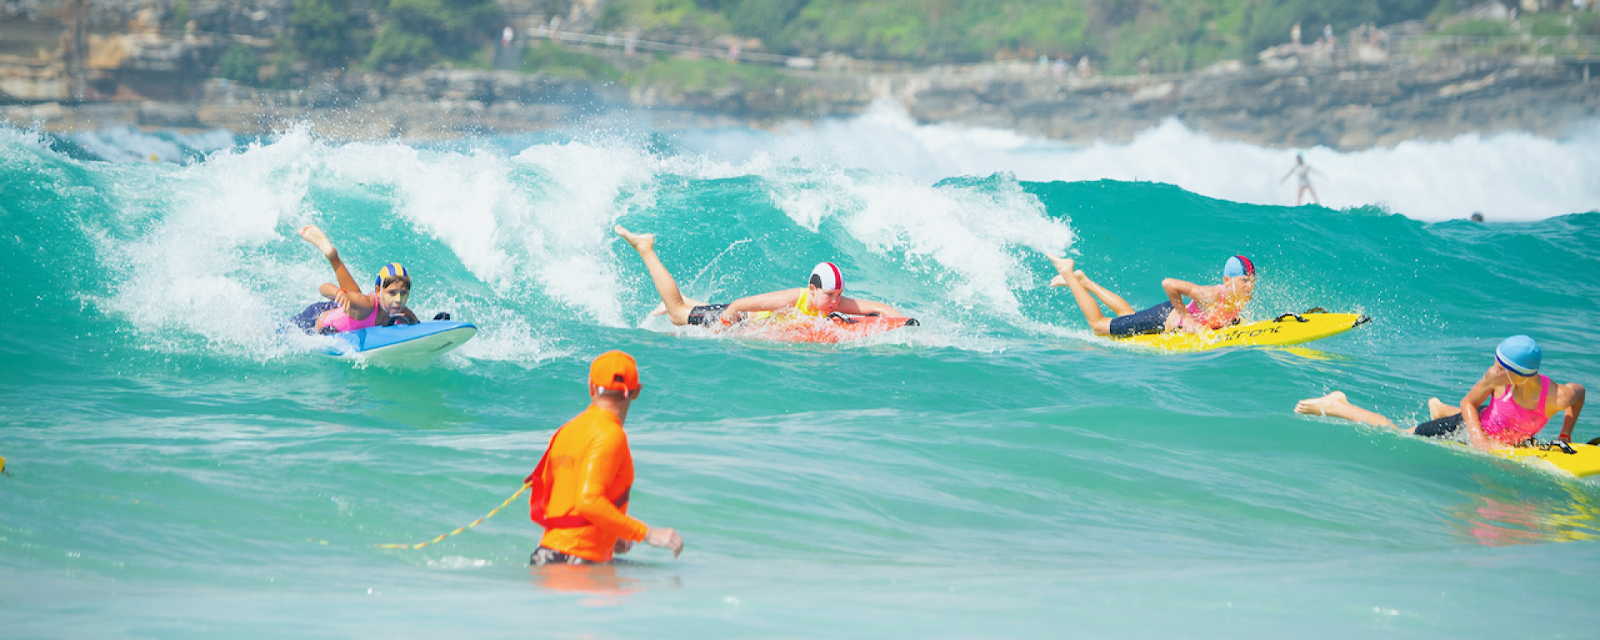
1287	329
1585	461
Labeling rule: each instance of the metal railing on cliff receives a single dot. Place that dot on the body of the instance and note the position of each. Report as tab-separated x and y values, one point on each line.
830	62
1556	49
1562	49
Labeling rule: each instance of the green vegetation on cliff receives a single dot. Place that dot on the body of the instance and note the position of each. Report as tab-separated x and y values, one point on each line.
1116	35
1119	31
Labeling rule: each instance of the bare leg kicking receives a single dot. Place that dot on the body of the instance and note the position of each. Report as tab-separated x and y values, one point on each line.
1098	322
1118	306
676	306
1337	405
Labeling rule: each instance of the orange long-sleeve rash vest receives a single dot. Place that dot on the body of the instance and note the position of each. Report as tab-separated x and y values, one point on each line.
588	469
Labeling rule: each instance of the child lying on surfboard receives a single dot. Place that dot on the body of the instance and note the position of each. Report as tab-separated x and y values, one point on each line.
1210	308
823	295
346	307
1507	407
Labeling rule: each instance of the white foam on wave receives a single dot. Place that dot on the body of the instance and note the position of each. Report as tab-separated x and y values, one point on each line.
586	189
962	235
209	248
127	144
1509	176
199	262
535	223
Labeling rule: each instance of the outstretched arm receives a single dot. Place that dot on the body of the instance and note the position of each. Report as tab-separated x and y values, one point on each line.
763	302
1573	409
865	308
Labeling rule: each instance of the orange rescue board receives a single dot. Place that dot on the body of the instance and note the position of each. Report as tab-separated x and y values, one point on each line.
824	330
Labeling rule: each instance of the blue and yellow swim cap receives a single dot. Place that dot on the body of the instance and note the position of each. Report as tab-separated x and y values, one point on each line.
1519	354
391	271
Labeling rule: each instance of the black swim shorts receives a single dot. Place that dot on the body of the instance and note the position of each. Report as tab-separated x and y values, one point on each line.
709	315
307	320
1152	320
1445	427
545	555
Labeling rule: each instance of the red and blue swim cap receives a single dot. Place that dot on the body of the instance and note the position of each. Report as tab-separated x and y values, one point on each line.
1238	266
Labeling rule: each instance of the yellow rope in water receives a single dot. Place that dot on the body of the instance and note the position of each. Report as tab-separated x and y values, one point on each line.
420	545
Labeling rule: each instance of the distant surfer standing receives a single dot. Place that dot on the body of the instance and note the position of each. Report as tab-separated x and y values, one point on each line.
581	486
822	296
1210	307
346	307
1507	406
1302	173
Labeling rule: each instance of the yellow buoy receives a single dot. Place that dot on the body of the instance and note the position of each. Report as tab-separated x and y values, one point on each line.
2	464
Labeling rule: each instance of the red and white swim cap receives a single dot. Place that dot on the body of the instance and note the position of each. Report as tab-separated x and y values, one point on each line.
826	277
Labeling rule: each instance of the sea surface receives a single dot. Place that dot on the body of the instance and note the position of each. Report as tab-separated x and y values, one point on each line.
179	467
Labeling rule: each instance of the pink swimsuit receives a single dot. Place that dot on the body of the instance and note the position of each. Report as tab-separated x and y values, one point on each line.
342	322
1511	423
1215	318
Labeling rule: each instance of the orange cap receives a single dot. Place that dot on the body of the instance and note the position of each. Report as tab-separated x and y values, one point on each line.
614	370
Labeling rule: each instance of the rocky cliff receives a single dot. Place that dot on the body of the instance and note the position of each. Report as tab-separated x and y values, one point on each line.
148	76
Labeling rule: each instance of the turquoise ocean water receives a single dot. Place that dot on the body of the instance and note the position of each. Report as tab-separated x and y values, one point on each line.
178	468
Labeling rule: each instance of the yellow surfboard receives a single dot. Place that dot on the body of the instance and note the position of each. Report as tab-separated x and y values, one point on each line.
1287	329
1583	461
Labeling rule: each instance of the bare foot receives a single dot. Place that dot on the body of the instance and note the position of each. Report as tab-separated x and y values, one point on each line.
1438	409
641	242
1320	406
1063	265
318	239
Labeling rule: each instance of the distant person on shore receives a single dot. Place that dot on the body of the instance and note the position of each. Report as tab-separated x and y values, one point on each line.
346	307
1084	70
1210	308
1302	173
1327	35
822	296
1294	34
580	487
506	36
1520	402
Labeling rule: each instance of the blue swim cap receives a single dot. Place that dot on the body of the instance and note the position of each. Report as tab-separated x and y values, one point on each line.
1519	355
1238	266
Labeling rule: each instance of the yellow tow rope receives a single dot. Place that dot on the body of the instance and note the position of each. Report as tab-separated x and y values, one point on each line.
420	545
